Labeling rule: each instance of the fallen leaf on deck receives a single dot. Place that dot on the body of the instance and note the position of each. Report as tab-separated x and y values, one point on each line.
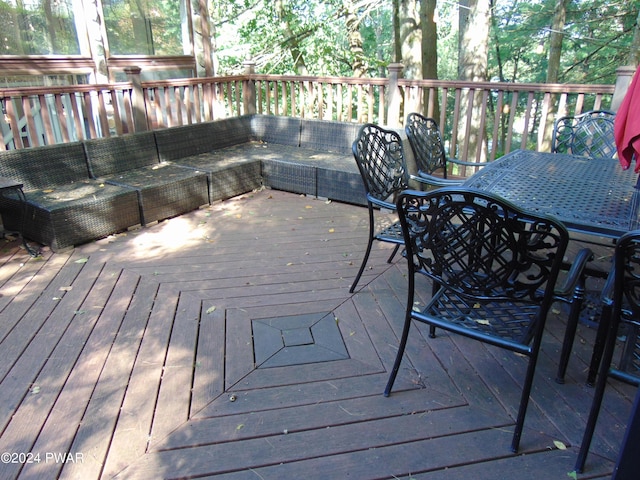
559	445
82	260
210	310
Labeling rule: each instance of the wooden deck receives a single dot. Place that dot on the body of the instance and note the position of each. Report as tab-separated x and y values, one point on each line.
133	357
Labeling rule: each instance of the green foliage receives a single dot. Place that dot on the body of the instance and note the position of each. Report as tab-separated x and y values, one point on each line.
597	40
317	29
598	36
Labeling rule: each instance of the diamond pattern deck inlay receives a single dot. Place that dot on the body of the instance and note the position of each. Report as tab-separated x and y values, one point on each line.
297	340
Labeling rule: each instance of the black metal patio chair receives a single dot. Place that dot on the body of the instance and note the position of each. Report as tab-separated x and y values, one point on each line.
620	319
380	158
588	134
493	269
427	146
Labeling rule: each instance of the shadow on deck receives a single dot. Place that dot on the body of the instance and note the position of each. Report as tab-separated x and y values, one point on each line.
225	343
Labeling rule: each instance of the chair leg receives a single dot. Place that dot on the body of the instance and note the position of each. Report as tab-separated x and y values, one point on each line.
570	332
526	393
393	254
398	361
403	339
598	394
599	344
434	289
366	253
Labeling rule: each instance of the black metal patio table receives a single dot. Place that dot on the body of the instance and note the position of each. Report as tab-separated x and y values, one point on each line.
589	195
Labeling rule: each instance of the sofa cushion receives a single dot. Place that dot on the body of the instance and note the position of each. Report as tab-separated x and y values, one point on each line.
328	136
44	167
185	141
113	155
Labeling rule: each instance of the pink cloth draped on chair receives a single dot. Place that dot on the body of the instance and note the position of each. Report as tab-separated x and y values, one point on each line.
627	126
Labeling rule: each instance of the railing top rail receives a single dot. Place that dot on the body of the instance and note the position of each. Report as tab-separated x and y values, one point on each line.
181	82
506	86
62	89
520	87
333	80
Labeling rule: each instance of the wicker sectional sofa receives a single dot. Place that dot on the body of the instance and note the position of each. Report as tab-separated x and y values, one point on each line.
81	191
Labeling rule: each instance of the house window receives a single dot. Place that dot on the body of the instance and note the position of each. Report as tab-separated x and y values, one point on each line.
145	27
38	27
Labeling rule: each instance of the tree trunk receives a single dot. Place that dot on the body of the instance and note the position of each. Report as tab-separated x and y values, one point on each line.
429	51
553	73
355	38
299	64
410	38
555	40
397	44
473	54
634	53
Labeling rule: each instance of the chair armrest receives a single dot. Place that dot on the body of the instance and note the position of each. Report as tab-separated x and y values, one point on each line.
607	291
467	164
575	273
381	204
435	181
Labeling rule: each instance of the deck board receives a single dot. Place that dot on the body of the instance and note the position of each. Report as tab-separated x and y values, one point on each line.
135	345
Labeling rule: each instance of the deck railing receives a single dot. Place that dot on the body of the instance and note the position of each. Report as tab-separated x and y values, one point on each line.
479	120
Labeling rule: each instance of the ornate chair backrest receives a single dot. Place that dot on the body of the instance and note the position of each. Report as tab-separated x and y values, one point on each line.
626	299
482	247
380	158
589	134
426	143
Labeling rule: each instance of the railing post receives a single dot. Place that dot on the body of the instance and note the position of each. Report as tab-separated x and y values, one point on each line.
623	80
393	95
137	99
249	88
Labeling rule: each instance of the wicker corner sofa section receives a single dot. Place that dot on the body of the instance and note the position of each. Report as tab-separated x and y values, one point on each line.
82	191
64	206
